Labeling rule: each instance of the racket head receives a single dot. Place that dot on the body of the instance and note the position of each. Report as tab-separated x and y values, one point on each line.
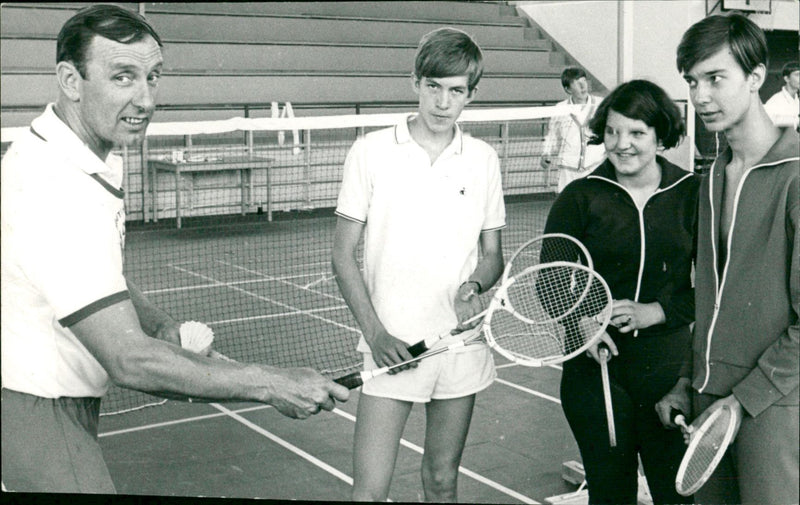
706	448
546	248
548	314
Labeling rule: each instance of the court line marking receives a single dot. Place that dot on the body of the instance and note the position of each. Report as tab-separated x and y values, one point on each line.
286	445
265	299
276	316
528	390
461	469
267	276
176	421
234	414
261	407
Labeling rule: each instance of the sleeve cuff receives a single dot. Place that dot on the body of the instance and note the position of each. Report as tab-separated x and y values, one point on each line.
90	309
756	392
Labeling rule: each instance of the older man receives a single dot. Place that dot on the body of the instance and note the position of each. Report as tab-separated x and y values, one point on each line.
71	323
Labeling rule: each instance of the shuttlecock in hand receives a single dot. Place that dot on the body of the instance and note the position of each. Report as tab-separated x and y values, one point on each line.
196	337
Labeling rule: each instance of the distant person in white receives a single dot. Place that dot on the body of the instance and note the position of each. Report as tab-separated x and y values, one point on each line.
784	106
564	143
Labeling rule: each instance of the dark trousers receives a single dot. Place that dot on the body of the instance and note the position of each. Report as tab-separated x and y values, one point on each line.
50	445
645	370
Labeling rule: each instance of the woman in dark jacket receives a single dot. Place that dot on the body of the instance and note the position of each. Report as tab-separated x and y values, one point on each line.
636	214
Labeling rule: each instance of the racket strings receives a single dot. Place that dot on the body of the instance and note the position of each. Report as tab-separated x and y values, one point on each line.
551	311
547	249
710	442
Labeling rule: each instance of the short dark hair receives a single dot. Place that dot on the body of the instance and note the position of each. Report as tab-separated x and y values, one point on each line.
109	21
645	101
709	35
571	74
447	52
789	67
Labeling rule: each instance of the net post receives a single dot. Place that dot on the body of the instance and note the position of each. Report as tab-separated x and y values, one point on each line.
269	193
147	186
504	153
307	169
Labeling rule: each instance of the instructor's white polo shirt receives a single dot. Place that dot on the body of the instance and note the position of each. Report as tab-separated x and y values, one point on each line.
423	224
63	225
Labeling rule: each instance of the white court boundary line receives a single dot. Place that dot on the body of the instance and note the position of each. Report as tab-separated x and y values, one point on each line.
286	445
270	300
321	464
469	473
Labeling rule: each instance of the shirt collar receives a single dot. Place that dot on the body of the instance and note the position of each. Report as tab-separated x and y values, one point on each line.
591	100
670	173
52	129
789	96
402	136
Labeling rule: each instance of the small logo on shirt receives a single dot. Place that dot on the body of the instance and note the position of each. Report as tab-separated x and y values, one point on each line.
463	191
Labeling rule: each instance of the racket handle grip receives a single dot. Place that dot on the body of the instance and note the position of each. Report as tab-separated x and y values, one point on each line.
350	381
677	417
418	348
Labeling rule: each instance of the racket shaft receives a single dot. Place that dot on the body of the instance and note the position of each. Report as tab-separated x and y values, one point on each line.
424	346
612	432
356	379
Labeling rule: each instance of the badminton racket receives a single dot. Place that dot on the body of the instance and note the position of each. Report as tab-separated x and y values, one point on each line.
545	248
707	445
546	314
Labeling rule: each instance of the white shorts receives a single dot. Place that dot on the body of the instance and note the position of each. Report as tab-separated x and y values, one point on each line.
441	377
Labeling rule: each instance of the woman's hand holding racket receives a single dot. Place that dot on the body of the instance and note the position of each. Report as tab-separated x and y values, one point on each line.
630	316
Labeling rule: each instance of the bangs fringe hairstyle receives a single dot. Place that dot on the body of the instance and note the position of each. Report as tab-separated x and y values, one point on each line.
448	52
706	37
646	102
571	74
108	21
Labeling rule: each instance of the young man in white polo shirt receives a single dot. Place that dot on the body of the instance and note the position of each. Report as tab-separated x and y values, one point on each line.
427	198
71	323
783	107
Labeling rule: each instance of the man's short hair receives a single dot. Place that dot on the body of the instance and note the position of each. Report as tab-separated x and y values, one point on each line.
790	67
570	75
709	35
645	101
448	52
109	21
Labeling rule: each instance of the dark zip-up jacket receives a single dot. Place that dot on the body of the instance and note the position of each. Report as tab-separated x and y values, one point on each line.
644	256
747	338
